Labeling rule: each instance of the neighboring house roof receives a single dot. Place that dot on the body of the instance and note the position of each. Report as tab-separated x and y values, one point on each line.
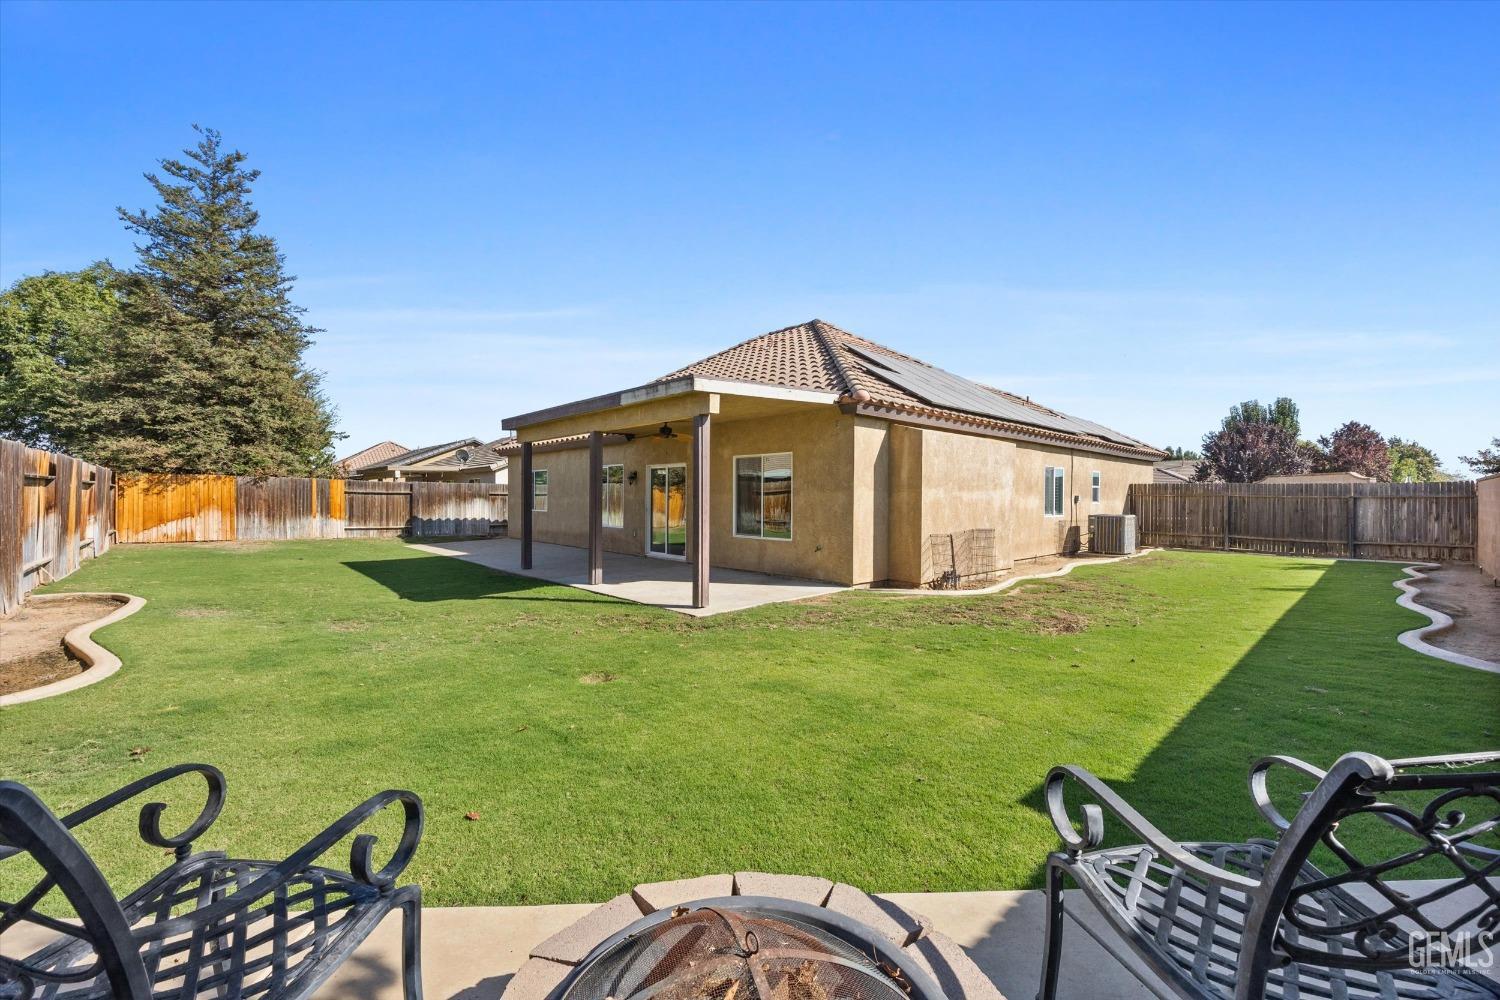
1321	477
1159	474
481	455
1177	469
373	455
416	455
819	356
445	457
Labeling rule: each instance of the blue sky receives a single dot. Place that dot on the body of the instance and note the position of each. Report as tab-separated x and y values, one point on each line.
1140	214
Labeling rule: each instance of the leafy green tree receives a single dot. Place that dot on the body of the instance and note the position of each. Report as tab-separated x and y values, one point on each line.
1485	461
1412	463
1283	413
53	328
1181	454
203	371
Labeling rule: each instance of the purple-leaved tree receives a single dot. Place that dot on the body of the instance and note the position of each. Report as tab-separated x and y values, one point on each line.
1356	447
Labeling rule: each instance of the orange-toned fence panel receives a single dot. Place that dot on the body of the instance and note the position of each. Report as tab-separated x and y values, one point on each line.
170	508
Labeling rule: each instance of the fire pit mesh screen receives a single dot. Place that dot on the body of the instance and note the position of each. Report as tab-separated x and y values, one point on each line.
740	954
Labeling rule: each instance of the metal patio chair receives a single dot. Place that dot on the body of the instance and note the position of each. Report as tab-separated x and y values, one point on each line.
1257	919
207	925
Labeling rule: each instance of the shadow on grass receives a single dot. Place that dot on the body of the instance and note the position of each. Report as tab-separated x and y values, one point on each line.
441	578
1326	679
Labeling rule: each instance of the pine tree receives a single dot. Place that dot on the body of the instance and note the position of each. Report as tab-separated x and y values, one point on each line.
204	370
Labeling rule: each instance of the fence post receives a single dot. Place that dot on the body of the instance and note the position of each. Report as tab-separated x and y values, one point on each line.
1227	509
1353	522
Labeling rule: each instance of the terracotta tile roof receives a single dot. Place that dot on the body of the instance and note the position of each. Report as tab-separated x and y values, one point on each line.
376	454
820	356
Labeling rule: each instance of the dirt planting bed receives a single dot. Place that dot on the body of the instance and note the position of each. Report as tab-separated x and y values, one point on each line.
31	640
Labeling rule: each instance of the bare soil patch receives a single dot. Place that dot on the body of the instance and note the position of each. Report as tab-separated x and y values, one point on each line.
31	640
1462	593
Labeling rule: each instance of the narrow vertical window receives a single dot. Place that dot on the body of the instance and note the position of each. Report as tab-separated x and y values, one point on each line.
1097	480
612	493
1052	491
539	489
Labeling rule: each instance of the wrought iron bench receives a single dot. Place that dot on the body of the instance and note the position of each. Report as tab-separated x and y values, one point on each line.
207	925
1258	919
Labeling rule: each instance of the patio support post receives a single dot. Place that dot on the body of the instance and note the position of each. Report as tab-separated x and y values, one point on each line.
596	508
701	561
528	488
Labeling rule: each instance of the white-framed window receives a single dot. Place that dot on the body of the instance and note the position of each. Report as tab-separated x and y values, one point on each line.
612	493
1052	491
539	489
1097	481
763	496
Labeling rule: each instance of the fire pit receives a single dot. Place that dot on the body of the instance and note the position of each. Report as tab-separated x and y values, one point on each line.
749	936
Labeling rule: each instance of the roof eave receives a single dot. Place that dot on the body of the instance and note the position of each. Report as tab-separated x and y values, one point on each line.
663	390
924	416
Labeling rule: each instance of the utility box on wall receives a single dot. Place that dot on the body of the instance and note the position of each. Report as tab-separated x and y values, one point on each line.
1112	534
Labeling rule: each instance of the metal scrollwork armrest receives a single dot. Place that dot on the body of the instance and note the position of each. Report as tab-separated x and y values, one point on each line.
1093	834
151	812
1262	795
361	862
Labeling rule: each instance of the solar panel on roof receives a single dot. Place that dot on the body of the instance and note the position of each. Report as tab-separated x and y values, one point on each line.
953	392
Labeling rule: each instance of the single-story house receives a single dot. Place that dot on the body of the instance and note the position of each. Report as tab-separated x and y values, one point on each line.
351	465
811	452
462	461
1320	477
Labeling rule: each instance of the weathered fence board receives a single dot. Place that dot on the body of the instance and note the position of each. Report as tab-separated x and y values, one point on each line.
1419	521
56	511
247	508
173	508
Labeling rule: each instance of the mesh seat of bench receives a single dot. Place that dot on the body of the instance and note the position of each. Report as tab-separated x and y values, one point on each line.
261	949
1199	928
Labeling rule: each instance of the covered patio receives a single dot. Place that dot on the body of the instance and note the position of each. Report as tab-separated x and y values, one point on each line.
664	583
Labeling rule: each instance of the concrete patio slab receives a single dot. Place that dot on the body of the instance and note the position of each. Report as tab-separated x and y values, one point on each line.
665	583
472	952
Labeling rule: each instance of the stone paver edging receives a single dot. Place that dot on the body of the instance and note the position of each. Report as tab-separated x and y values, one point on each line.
1415	639
101	663
929	949
1007	583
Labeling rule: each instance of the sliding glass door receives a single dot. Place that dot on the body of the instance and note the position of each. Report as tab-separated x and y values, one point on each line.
667	515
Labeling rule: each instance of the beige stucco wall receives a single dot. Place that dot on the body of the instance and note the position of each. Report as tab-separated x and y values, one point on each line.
1033	534
821	441
944	482
1487	553
866	494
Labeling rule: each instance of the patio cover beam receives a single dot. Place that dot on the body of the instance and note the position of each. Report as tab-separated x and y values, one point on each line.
701	516
528	491
633	418
596	508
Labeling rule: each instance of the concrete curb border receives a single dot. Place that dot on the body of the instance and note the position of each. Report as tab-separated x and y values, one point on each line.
1004	584
1414	639
80	642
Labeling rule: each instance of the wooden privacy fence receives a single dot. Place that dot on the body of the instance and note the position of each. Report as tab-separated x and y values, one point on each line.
167	508
1419	521
55	512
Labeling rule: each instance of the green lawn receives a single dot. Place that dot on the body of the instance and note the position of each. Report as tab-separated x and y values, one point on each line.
898	744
